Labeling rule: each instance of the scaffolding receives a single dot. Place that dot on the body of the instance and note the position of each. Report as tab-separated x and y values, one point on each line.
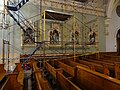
85	28
72	18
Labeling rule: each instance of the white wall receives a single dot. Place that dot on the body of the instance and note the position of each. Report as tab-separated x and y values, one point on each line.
114	26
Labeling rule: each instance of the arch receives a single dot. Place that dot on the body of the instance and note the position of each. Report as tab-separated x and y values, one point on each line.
118	41
111	27
110	7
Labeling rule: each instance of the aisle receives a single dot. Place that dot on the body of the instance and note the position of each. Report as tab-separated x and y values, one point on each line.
27	80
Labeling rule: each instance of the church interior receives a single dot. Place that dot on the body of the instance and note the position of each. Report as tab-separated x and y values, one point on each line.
59	44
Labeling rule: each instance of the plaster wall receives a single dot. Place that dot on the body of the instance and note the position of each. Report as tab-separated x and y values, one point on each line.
114	26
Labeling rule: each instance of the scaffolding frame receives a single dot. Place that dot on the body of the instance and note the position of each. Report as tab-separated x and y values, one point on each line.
43	29
84	9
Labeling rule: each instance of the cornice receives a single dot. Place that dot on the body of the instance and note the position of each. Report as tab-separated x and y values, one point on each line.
81	8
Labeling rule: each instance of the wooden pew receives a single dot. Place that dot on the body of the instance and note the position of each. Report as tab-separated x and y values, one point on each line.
62	81
14	81
74	64
109	64
52	70
2	72
18	67
37	83
35	71
91	80
114	66
113	58
104	58
67	68
117	71
65	83
18	75
98	67
41	83
34	67
108	56
2	75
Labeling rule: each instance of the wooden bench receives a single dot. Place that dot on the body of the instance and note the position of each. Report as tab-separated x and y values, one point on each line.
67	68
2	75
112	66
14	81
74	64
18	67
65	83
52	70
109	56
98	67
37	83
2	72
34	67
91	80
104	58
41	83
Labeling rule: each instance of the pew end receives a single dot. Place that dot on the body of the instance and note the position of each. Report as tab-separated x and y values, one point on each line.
14	81
2	70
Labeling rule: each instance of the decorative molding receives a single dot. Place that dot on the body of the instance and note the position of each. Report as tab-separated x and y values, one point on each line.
77	8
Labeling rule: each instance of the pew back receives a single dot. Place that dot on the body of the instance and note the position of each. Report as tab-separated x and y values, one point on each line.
90	80
2	70
65	83
14	82
68	69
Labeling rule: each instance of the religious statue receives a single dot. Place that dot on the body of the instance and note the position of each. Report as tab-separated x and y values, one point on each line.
55	36
51	37
76	37
28	36
92	35
72	37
